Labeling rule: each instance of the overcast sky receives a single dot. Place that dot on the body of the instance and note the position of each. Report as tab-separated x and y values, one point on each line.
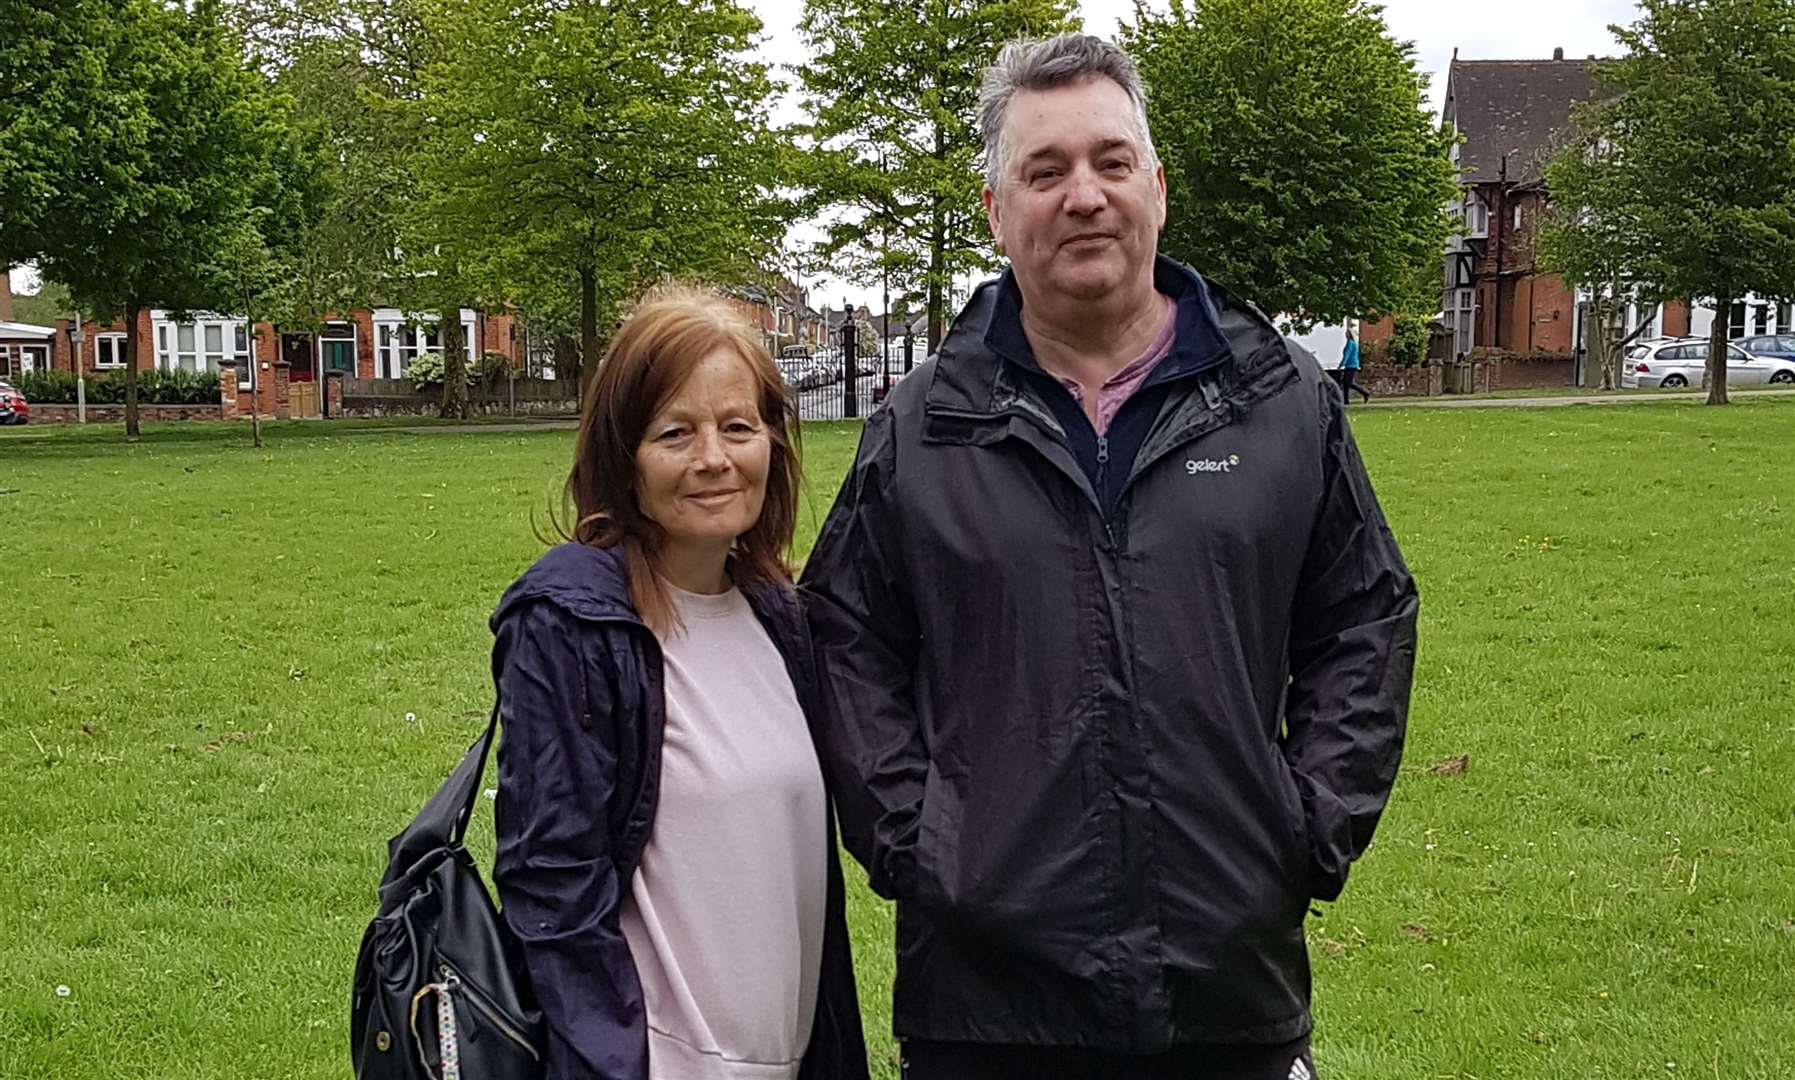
1518	29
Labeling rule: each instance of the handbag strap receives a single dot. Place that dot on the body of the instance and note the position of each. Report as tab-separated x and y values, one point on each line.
442	823
465	781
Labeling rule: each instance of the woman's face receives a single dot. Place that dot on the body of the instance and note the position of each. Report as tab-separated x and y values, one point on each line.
701	469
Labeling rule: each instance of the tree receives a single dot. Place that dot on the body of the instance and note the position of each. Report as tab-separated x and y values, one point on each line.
184	131
1303	169
1587	238
356	70
1684	184
595	151
50	302
892	100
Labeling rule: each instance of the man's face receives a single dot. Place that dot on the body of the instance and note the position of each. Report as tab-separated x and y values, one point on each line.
1076	209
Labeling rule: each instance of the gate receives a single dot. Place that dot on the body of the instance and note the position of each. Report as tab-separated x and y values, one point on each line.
823	388
303	400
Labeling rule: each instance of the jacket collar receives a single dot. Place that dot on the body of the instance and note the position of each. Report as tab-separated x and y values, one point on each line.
985	362
1197	342
593	584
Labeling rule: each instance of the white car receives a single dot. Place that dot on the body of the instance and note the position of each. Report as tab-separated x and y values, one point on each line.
1673	363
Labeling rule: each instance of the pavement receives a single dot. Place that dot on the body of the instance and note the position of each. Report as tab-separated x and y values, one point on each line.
819	405
1635	397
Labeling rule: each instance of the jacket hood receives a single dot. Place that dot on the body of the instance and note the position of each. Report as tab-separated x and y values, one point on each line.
591	583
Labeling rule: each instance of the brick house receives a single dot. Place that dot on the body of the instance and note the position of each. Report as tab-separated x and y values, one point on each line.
1510	117
782	313
377	343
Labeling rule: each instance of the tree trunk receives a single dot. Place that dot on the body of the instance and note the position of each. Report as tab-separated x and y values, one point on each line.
588	323
454	343
937	256
566	357
937	251
1611	369
1599	344
255	379
1723	314
134	348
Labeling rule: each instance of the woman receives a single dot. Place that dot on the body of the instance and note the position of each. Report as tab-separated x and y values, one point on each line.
666	853
1349	370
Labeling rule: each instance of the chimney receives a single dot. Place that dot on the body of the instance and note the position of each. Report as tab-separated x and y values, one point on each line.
1558	53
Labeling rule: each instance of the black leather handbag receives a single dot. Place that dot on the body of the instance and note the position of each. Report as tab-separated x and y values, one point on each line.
440	987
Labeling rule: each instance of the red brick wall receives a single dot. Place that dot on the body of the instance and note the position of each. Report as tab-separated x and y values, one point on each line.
1541	374
498	333
1374	338
1676	318
1388	380
115	414
364	344
1551	311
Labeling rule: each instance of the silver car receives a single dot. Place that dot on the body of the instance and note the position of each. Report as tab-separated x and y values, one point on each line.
1676	363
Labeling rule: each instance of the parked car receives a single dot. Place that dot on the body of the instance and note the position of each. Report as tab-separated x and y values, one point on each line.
1779	346
14	409
1673	363
802	372
1664	363
1745	367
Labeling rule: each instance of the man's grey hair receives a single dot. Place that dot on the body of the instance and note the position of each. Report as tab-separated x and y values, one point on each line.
1043	65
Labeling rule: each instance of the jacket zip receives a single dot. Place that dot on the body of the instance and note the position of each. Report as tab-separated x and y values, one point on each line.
453	981
1102	487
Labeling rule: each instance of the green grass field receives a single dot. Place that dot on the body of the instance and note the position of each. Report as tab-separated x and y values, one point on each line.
208	655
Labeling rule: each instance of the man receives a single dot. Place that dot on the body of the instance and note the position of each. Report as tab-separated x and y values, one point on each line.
1118	645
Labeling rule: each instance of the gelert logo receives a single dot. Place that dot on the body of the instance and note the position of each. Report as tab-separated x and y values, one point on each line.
1203	465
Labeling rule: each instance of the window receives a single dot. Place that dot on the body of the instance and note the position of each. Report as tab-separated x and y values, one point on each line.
1517	217
203	345
1735	323
1761	323
1461	319
399	341
1786	344
109	350
1784	323
1477	216
539	356
336	348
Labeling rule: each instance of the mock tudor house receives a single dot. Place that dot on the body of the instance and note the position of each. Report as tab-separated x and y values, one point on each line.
1511	116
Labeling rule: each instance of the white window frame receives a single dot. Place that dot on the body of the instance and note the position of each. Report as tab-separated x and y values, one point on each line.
400	338
23	359
354	340
166	333
1477	217
1464	321
120	342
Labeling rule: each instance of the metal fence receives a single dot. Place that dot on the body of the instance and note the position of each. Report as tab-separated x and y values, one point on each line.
824	389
